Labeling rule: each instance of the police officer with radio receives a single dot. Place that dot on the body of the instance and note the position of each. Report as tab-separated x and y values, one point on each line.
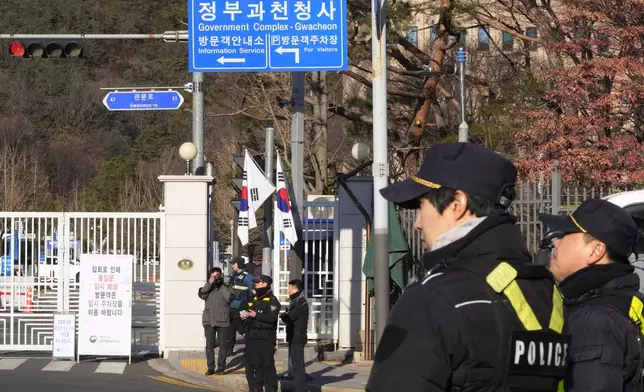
242	287
603	305
484	318
260	314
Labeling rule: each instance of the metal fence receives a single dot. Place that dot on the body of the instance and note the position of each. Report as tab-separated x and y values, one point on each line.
40	272
320	235
532	198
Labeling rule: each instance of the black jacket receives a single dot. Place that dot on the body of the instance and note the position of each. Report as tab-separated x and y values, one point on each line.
264	325
296	319
451	331
606	346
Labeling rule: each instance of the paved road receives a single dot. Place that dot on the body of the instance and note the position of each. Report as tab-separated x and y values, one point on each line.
43	374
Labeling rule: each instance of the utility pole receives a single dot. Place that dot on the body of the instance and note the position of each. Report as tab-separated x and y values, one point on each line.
380	164
267	265
463	128
297	162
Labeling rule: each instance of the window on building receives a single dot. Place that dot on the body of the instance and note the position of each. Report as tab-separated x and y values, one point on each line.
412	35
508	42
532	33
484	38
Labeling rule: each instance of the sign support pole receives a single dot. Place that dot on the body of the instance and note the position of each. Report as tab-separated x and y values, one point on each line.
197	122
297	163
267	265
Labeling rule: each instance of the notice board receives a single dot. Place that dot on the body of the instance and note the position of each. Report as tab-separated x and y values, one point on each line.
105	311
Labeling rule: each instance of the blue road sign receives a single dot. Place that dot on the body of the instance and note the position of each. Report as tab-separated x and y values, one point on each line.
143	100
267	35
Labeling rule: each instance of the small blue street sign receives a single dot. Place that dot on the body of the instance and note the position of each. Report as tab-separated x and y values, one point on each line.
267	35
143	100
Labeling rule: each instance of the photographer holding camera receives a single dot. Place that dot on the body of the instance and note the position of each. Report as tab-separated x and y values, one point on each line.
215	319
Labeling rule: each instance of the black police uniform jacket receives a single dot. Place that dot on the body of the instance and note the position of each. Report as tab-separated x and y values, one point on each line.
264	325
606	344
452	332
296	319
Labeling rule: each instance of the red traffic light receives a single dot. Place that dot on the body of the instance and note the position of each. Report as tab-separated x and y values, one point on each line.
55	48
17	49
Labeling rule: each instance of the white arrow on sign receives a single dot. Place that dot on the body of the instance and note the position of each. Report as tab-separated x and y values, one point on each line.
281	50
224	60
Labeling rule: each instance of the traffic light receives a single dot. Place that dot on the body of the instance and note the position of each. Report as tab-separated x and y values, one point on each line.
50	48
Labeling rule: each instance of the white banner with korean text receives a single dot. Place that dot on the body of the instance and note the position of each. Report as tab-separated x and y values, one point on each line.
105	311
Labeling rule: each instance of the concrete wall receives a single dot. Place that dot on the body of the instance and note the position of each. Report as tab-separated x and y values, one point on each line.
353	239
185	204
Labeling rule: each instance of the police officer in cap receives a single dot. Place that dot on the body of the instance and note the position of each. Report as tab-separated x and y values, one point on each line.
603	304
483	317
260	315
242	288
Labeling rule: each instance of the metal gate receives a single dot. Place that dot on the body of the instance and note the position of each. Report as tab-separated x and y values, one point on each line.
40	272
320	233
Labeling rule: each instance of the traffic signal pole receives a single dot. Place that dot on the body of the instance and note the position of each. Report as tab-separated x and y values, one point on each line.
168	36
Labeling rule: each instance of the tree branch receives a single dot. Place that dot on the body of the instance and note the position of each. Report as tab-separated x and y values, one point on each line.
401	58
391	91
411	48
352	115
235	113
449	97
504	27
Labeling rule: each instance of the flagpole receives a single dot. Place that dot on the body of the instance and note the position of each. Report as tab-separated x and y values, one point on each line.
277	265
277	256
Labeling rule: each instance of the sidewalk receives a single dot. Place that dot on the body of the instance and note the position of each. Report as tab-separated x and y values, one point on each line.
333	374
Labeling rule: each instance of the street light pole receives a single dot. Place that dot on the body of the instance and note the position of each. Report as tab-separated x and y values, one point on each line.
380	165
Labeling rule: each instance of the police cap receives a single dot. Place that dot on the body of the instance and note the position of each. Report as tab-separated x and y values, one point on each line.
471	168
601	219
264	278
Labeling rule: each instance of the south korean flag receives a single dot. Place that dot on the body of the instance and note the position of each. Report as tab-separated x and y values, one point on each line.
255	190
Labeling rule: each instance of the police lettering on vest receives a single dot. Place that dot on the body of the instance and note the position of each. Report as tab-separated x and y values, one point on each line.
538	353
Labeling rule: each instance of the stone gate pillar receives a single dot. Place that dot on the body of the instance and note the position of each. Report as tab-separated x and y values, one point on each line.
185	201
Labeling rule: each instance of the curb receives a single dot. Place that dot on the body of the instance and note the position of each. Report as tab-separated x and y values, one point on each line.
229	383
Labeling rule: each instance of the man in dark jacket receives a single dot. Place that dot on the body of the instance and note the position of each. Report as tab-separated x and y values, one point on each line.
215	319
484	316
242	288
297	322
260	316
601	296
